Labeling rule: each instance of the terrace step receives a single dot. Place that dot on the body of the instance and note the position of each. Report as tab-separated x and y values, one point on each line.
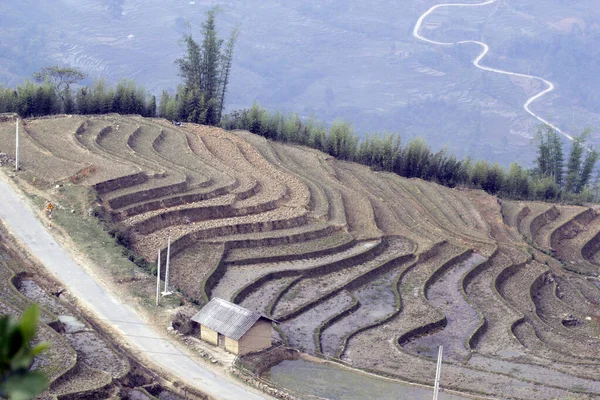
326	200
376	301
558	314
393	216
34	157
542	236
385	215
237	277
173	147
578	245
461	319
114	139
300	330
65	146
192	198
152	189
276	186
288	252
262	299
193	266
80	380
86	137
312	231
513	212
317	286
430	200
538	215
221	171
519	289
186	235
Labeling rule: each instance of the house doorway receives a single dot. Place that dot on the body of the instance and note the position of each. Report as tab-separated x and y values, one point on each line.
221	341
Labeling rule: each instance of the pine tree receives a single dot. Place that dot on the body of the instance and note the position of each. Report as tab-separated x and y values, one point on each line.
556	151
162	105
151	109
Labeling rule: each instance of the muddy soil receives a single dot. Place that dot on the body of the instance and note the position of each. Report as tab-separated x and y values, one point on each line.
30	289
300	331
309	289
377	300
535	373
96	353
462	319
260	299
498	314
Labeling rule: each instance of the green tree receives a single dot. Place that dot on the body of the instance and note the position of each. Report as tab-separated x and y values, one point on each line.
205	69
550	160
61	79
586	171
517	182
574	164
415	158
162	105
17	382
8	100
84	101
341	140
556	151
151	110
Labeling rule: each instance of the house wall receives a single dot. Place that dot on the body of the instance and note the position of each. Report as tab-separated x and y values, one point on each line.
208	335
257	338
231	345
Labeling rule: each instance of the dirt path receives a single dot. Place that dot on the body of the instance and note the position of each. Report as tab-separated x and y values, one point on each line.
21	221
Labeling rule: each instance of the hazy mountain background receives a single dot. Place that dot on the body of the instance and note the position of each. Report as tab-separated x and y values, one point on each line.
352	59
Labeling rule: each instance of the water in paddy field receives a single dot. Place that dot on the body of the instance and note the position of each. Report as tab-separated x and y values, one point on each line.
334	383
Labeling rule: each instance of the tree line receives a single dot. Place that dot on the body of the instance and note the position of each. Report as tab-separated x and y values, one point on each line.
33	99
550	180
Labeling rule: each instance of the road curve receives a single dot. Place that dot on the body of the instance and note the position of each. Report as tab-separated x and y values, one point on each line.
21	221
477	60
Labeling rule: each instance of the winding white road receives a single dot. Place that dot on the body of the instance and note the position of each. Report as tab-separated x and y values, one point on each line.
477	60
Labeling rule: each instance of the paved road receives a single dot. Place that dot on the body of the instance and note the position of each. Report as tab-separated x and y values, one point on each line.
486	49
20	219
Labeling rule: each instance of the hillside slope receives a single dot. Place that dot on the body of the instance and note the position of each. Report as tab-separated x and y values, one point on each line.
365	266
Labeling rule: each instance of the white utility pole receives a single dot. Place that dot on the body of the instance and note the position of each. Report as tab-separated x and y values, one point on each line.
166	292
158	278
17	147
436	386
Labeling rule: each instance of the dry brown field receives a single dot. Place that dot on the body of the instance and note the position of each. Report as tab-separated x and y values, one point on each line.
365	267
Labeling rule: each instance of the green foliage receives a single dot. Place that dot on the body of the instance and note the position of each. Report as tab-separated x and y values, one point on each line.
574	164
17	382
205	70
61	79
550	161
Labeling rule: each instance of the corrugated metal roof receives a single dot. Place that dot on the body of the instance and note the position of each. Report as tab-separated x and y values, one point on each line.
227	318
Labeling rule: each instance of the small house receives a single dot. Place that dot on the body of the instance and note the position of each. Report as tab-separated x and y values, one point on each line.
234	328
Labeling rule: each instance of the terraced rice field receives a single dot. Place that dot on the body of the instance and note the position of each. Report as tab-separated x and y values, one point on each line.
366	267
